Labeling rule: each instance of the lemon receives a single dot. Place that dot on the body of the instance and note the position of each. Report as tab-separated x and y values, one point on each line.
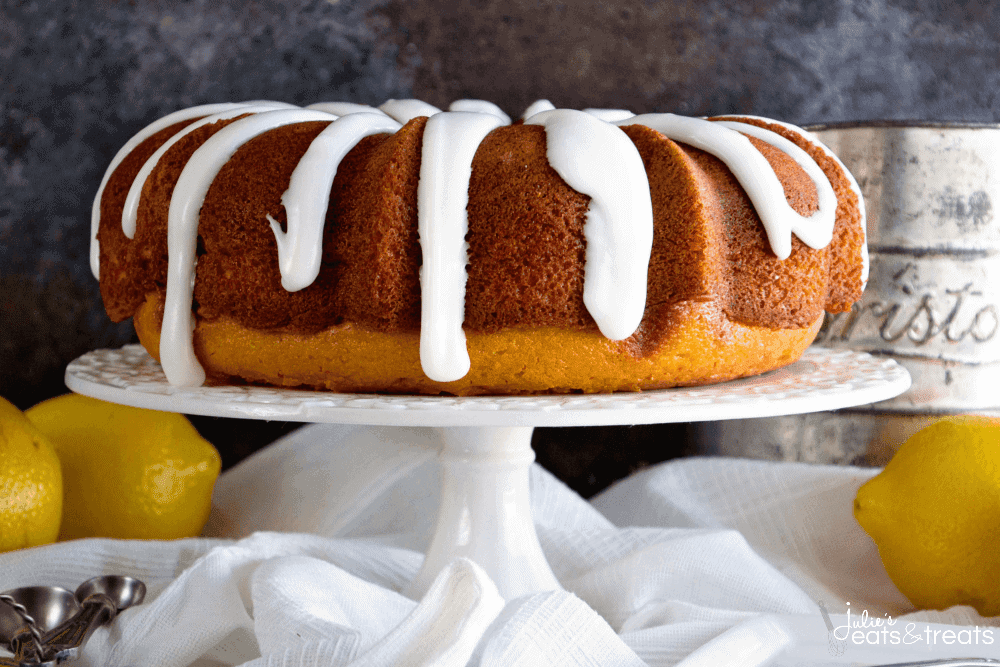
31	484
934	512
128	473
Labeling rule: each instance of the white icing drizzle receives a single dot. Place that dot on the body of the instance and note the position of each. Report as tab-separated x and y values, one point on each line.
449	145
809	232
300	249
852	182
585	147
599	160
406	110
130	145
480	106
130	211
750	168
178	359
343	108
538	106
610	115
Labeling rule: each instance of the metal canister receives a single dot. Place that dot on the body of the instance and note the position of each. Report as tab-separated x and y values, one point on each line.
932	192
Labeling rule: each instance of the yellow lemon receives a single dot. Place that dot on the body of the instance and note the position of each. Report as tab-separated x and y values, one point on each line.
128	472
31	486
934	512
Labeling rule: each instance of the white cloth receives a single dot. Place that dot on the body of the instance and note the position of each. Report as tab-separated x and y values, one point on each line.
693	562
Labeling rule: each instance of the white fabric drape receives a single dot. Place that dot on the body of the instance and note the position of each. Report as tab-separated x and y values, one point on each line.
703	561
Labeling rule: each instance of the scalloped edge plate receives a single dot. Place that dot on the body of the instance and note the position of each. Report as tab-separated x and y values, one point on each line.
823	379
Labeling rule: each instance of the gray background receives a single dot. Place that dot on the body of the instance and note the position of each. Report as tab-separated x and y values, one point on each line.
79	78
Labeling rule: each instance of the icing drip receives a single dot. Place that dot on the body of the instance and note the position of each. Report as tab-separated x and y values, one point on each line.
130	145
178	359
406	110
300	249
343	108
480	106
610	115
855	188
809	232
538	106
130	211
449	145
600	161
750	168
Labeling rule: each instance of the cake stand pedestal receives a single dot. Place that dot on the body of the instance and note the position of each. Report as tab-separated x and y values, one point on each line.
485	511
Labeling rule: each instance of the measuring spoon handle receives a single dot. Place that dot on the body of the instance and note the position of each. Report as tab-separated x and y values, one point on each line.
96	610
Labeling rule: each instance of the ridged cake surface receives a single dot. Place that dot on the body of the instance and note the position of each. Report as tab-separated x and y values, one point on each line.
407	249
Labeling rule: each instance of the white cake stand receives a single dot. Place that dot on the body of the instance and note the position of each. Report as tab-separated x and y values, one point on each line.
485	513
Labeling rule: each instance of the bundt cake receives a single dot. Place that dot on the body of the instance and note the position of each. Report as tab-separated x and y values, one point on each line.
408	250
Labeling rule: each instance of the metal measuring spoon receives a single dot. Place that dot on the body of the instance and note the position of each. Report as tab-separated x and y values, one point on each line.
101	598
124	591
26	613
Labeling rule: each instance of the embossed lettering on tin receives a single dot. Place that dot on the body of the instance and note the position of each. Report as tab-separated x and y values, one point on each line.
932	308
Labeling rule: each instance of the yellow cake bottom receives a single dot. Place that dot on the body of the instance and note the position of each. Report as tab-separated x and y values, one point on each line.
703	347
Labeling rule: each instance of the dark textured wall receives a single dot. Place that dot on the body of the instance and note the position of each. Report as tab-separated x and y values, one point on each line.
79	78
826	60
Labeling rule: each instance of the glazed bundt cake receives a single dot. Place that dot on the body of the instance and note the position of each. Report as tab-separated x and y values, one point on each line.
408	250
